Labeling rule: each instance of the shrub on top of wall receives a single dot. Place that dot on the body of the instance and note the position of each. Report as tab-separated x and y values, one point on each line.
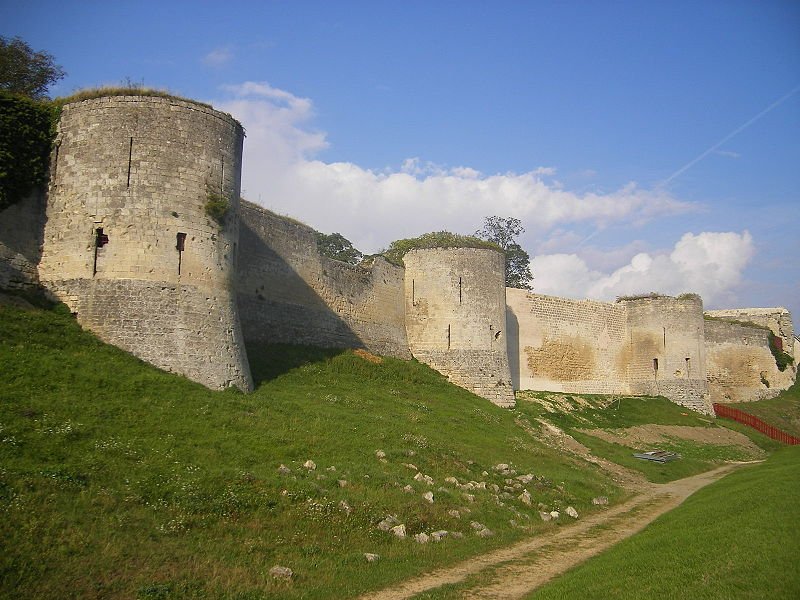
437	239
28	130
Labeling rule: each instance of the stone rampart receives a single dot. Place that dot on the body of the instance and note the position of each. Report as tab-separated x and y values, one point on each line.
566	345
289	293
21	229
739	363
140	170
778	320
456	317
666	349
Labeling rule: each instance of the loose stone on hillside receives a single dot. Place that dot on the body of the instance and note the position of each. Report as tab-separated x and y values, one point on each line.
408	489
371	557
380	454
310	465
600	501
426	478
399	531
411	466
428	496
454	513
571	512
388	523
438	536
284	470
279	572
525	497
343	505
421	538
545	516
342	482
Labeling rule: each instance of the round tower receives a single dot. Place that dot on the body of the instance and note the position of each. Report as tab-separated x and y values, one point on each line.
667	349
456	317
142	231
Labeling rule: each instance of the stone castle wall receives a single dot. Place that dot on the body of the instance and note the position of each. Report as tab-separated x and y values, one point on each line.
667	349
456	317
740	365
289	293
182	291
778	320
563	345
21	228
141	169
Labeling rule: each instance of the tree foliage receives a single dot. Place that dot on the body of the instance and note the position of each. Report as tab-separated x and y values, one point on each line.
338	247
27	129
504	231
437	239
24	71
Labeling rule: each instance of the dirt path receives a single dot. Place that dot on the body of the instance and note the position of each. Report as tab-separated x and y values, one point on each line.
516	570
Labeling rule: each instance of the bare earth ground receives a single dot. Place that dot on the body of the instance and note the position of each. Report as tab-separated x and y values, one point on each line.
514	571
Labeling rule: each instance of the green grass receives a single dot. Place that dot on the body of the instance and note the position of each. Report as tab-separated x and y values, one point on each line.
782	412
630	411
119	480
738	538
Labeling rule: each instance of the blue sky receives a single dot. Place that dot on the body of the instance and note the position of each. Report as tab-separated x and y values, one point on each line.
645	145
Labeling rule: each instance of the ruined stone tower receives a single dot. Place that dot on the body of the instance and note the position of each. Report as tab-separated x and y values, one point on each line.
128	244
456	317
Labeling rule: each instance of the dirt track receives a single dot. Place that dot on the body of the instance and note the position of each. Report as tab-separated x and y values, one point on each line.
516	570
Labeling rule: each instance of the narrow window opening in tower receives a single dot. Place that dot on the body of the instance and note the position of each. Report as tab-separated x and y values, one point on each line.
655	365
413	294
688	367
55	160
180	246
459	290
222	175
100	240
130	158
665	336
448	336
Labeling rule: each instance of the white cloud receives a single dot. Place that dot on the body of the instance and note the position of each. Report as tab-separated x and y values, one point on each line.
372	208
218	57
710	264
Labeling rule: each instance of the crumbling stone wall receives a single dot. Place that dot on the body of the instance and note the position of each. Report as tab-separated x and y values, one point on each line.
289	293
778	320
456	317
141	170
21	228
739	363
667	350
566	345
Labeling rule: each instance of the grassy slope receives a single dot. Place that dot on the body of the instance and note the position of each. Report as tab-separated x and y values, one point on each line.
782	412
738	538
119	480
632	411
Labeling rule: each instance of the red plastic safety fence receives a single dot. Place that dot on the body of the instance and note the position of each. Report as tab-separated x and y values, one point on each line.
756	423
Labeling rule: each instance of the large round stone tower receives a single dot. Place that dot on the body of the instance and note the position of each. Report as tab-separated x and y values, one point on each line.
131	243
456	317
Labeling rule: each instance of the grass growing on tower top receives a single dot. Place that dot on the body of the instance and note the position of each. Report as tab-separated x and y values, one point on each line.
120	480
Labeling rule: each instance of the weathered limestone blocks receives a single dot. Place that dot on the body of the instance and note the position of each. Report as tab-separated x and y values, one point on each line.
21	227
456	317
140	171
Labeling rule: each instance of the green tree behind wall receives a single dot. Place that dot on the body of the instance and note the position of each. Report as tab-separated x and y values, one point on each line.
504	231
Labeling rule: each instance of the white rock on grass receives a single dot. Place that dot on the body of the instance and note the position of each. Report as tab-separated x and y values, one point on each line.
399	531
485	533
438	536
477	526
421	538
454	513
600	501
408	489
469	497
545	516
279	572
284	470
572	512
380	454
452	480
342	482
388	523
411	466
371	557
525	497
343	505
310	465
428	496
426	478
554	514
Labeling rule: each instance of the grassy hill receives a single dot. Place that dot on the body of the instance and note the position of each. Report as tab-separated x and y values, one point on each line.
118	480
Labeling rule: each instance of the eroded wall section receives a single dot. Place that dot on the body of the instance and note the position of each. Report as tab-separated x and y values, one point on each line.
138	171
739	363
21	230
667	351
289	293
566	345
456	317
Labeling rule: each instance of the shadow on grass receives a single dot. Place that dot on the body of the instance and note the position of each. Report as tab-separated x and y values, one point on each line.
270	361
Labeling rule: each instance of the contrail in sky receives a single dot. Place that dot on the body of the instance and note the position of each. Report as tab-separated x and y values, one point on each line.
736	131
